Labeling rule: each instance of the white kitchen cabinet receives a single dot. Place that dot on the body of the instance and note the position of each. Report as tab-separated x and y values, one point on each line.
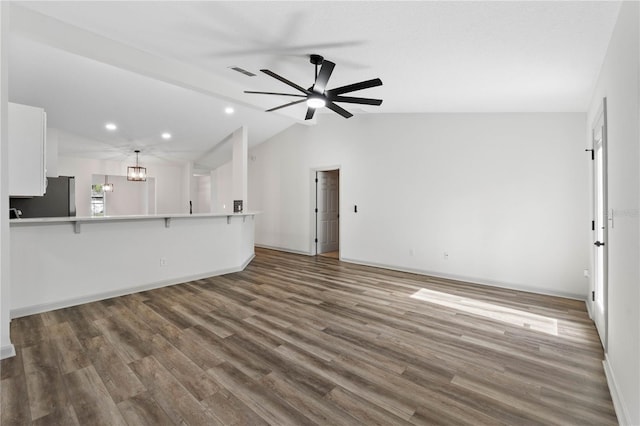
27	150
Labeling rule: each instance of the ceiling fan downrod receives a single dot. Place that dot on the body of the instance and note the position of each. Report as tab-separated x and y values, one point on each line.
316	60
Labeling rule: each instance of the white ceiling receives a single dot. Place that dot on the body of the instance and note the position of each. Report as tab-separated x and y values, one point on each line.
164	66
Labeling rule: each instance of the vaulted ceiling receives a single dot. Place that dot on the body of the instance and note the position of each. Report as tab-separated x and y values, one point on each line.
153	67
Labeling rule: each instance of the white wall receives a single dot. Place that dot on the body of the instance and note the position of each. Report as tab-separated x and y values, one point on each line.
51	155
6	348
619	83
222	189
239	139
169	180
170	188
202	201
128	197
503	194
229	181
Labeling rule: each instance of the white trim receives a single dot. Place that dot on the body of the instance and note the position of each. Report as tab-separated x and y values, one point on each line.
601	321
7	351
244	264
472	280
264	246
588	303
46	307
618	403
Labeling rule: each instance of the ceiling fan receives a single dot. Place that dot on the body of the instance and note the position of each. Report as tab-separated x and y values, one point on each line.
317	96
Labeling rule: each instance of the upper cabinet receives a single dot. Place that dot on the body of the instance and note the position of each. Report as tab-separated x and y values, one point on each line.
27	150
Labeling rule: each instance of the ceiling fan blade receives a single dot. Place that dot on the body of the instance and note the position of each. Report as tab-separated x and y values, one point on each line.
310	112
355	86
352	100
323	77
335	108
285	81
274	93
286	105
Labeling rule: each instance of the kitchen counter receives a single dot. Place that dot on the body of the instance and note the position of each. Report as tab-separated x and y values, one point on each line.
77	220
65	261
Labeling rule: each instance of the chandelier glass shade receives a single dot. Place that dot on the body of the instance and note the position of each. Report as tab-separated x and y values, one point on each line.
107	187
137	173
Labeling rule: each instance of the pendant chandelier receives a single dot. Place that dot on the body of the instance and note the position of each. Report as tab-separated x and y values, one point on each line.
107	187
137	173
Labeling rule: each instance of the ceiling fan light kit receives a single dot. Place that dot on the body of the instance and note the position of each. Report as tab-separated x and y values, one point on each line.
317	96
316	102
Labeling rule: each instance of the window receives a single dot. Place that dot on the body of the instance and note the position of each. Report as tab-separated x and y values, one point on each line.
97	200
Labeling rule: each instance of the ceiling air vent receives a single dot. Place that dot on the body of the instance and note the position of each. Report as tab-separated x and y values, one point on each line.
243	71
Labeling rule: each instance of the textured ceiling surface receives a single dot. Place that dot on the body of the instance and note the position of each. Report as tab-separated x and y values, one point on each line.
437	56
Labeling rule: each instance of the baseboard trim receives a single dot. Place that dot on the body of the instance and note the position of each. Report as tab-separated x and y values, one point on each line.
286	250
473	280
7	351
589	311
246	262
46	307
618	403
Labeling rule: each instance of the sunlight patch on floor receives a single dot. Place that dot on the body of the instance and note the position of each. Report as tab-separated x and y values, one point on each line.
489	310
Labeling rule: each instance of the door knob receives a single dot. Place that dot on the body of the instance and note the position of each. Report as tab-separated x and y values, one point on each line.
598	244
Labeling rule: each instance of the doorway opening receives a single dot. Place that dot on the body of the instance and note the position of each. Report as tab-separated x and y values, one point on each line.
600	252
125	198
327	213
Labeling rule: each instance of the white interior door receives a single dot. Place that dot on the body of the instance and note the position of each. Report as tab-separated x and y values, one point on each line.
600	248
328	220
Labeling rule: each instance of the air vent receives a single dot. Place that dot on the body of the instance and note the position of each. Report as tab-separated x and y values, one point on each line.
243	71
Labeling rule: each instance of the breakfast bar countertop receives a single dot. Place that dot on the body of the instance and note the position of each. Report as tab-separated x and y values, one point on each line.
126	217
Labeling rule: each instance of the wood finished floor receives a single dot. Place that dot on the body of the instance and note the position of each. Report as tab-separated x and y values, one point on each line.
296	340
332	254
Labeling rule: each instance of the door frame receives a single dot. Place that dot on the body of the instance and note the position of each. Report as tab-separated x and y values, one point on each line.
602	326
313	198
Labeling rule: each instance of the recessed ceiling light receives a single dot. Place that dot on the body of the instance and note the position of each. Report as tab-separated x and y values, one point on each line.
110	126
229	110
166	135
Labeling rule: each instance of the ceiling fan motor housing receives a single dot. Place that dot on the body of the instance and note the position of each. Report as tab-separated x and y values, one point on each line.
316	59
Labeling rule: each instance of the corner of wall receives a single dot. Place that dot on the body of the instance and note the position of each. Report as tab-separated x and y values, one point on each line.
7	351
6	348
618	403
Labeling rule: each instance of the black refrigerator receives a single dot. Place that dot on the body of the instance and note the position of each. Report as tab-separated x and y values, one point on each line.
58	201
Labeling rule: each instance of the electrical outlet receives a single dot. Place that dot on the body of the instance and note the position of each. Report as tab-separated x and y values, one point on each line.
446	255
163	261
586	273
411	252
